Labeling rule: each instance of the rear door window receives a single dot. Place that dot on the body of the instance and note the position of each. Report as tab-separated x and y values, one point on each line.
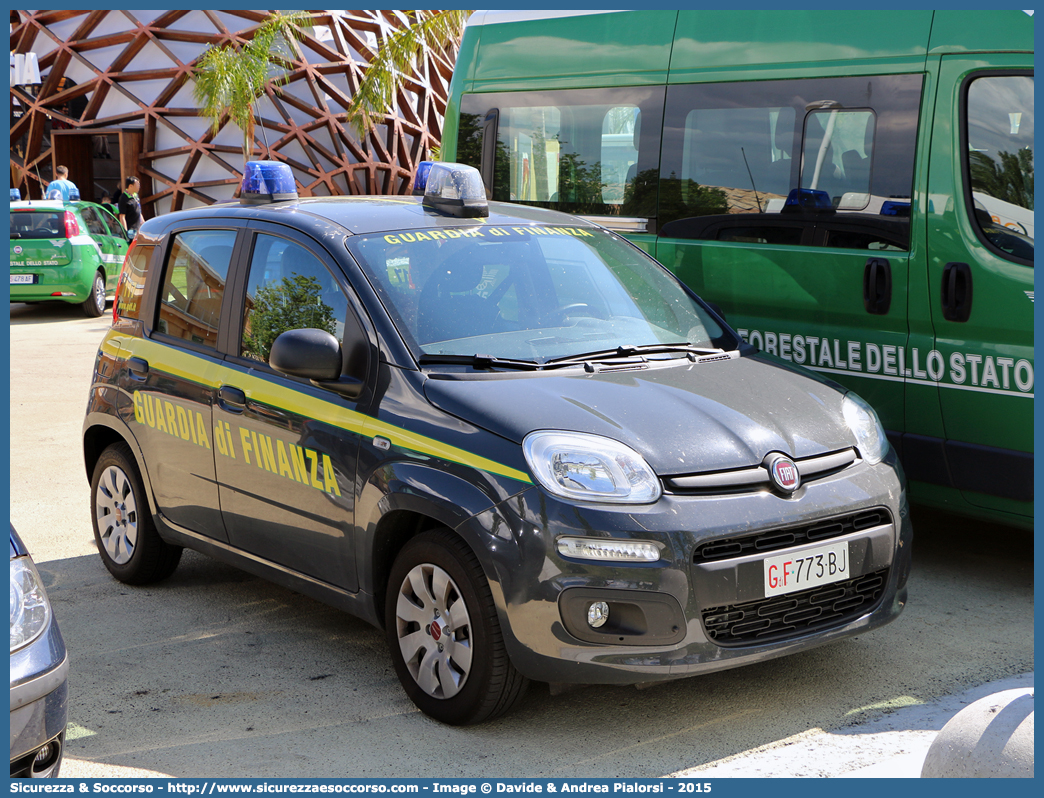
194	284
95	226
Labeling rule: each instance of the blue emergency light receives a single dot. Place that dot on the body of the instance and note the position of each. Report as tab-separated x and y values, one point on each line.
893	208
807	199
16	195
451	188
265	182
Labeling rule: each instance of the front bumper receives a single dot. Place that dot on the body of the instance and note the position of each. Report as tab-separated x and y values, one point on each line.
670	613
39	706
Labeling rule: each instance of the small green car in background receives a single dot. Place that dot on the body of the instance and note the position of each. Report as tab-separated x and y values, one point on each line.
67	251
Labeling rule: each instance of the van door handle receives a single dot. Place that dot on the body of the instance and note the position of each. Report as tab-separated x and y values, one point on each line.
232	399
956	292
137	367
877	286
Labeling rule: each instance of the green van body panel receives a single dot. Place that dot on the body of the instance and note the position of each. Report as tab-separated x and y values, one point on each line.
956	396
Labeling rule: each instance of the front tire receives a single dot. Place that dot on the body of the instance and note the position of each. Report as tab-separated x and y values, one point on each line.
94	304
126	536
445	639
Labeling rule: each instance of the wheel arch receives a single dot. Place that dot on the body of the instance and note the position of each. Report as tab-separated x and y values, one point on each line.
99	434
393	511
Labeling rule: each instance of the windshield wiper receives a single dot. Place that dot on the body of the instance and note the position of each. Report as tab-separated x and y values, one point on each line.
479	361
629	350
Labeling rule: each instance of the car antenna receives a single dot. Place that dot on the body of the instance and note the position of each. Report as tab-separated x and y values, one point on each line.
43	191
756	198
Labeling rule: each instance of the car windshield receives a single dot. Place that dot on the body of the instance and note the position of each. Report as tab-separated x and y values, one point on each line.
37	224
530	293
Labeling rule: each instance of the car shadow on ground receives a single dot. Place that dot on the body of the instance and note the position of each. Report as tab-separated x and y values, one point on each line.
52	312
217	673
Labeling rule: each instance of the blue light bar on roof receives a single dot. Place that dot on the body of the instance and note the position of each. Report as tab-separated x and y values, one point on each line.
16	195
453	189
265	182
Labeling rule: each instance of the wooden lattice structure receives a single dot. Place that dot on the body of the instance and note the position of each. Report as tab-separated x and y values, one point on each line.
115	99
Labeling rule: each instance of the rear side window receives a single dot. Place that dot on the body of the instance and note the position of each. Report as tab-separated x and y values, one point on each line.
999	130
194	284
131	287
589	151
37	224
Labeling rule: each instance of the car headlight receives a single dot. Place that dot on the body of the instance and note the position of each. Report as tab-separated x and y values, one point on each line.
864	423
30	610
589	468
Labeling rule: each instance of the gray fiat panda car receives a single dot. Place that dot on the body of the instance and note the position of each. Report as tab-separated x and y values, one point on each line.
503	434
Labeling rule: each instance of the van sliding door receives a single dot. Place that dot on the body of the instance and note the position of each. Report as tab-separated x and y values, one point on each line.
980	275
788	204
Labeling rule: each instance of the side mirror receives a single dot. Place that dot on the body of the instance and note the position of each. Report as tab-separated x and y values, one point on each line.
313	355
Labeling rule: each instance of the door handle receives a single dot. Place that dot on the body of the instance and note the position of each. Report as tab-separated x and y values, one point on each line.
137	367
877	286
232	399
957	292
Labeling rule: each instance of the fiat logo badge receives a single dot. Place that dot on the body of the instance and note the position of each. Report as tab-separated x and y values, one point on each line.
784	474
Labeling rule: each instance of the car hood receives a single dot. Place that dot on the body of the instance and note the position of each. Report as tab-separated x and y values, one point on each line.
683	419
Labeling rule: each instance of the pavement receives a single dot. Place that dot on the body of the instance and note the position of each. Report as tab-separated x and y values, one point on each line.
891	747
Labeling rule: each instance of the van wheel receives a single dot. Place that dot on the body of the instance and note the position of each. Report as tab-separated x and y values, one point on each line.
443	632
94	305
124	531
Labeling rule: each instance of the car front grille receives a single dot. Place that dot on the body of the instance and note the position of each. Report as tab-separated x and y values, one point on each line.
795	614
771	540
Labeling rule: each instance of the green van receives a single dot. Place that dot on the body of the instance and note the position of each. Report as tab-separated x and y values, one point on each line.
853	189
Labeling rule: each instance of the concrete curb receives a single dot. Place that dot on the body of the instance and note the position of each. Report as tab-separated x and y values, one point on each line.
992	738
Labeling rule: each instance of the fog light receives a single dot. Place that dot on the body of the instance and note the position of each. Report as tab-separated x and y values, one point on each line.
597	614
44	754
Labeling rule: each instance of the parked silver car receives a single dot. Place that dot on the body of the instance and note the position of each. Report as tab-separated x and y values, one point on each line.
39	667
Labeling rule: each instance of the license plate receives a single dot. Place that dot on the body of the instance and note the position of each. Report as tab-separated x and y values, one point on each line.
807	568
23	279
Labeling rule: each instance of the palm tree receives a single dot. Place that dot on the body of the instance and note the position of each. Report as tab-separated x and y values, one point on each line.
230	79
395	59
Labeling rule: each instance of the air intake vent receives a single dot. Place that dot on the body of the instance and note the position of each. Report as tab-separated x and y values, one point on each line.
771	540
779	618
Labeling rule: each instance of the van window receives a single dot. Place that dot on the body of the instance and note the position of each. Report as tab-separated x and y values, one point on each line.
826	146
583	151
289	289
999	129
194	284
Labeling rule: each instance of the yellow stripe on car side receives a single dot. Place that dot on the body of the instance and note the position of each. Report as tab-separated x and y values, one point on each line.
212	375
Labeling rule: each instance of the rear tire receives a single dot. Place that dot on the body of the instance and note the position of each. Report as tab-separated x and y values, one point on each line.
445	639
94	305
126	536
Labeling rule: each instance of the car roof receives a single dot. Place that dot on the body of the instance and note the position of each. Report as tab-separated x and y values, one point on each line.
38	205
51	205
364	215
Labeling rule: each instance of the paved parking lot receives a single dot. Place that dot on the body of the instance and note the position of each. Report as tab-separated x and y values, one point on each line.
217	673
